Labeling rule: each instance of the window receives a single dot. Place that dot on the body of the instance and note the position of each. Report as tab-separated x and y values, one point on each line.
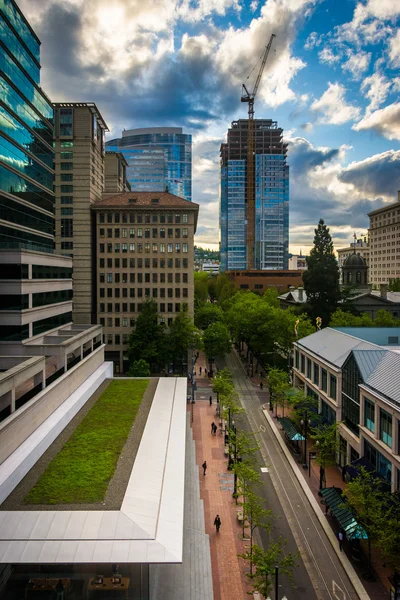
124	247
67	212
65	155
184	218
185	262
147	248
316	374
184	278
184	292
162	233
102	307
297	359
177	247
309	366
303	363
169	249
369	415
170	218
66	199
332	387
324	380
116	247
162	218
132	232
155	232
124	233
67	189
102	247
117	232
124	322
147	233
328	412
67	177
162	248
177	232
177	218
139	232
66	119
385	427
67	228
132	248
184	232
177	307
117	340
177	263
101	263
184	248
124	218
116	217
170	233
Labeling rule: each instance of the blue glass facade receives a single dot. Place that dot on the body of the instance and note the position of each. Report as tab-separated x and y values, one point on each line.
26	138
271	224
159	157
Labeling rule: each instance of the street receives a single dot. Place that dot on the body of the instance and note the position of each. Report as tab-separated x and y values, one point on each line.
320	575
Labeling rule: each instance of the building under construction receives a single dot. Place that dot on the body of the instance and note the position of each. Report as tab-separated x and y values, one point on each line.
254	207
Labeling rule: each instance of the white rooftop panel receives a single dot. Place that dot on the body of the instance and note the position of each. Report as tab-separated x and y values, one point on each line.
149	526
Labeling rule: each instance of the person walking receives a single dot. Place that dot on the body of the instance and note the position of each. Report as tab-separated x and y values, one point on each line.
212	427
215	429
261	385
217	523
204	465
210	400
340	537
60	590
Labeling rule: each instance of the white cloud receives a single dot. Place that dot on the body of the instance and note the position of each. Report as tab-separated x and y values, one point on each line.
313	41
394	50
357	63
332	106
376	88
326	56
385	121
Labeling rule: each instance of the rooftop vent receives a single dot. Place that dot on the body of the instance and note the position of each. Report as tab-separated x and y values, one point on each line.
393	339
155	200
132	200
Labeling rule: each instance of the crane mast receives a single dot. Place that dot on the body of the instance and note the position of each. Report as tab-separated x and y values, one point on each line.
249	97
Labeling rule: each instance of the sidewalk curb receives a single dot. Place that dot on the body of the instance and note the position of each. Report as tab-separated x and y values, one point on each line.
348	567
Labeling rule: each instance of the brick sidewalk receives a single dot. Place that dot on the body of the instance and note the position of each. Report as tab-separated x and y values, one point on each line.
216	489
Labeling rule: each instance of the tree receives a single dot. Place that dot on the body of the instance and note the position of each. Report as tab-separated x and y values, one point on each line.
182	336
327	444
385	319
341	318
255	515
364	497
394	285
207	314
321	279
147	340
278	384
200	288
389	530
216	340
139	368
266	562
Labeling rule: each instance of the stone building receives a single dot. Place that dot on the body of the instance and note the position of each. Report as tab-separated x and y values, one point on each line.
384	240
144	249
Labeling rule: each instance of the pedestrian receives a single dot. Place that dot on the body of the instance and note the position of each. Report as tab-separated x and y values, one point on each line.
217	523
204	465
200	370
212	427
261	385
205	371
340	536
210	400
215	429
60	590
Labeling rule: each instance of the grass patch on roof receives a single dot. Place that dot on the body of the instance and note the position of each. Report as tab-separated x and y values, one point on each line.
82	470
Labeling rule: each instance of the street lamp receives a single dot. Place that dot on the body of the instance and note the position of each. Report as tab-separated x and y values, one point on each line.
276	586
234	462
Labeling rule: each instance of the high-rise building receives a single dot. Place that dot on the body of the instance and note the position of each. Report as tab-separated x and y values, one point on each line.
36	284
271	223
158	158
384	243
144	249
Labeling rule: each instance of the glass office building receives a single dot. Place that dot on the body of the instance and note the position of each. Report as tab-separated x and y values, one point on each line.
271	233
158	158
27	307
26	138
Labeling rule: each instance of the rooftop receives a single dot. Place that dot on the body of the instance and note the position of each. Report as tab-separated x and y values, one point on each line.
145	199
148	527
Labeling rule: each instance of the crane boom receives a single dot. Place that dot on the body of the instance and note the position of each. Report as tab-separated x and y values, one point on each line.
250	201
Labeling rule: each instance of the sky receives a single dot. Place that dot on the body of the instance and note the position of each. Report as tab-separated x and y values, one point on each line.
332	82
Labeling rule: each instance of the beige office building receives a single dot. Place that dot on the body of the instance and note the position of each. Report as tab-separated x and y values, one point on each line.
360	246
384	241
144	249
83	171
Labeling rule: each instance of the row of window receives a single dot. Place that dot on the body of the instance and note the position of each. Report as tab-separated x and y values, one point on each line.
133	217
140	292
148	263
169	307
146	277
137	247
385	422
139	232
318	375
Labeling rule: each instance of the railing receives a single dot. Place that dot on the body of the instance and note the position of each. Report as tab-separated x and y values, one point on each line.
55	376
73	362
24	399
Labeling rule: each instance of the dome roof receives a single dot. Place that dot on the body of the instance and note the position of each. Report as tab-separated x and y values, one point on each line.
355	260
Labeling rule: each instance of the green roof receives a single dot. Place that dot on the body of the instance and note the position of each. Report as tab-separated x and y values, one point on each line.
333	498
290	429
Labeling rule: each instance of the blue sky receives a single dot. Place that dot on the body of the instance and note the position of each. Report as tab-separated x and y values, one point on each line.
332	81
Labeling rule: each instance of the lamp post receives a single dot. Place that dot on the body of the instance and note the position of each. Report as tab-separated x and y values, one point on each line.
276	586
305	423
234	462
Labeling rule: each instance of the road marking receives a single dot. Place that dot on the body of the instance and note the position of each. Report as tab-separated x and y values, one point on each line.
264	470
262	428
337	591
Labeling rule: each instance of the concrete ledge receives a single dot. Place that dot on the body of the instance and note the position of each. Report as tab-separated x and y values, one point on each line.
17	465
354	578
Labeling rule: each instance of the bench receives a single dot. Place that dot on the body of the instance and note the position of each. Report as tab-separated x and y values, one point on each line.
239	515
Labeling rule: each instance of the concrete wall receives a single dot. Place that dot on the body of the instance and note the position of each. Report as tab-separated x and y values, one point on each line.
19	426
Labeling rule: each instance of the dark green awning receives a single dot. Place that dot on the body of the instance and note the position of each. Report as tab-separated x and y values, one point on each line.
290	429
334	500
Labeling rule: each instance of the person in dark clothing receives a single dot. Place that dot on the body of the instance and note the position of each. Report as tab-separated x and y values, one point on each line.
204	465
210	400
261	385
60	590
212	427
200	370
217	523
215	429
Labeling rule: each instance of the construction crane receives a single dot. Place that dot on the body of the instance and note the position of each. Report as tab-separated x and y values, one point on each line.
249	97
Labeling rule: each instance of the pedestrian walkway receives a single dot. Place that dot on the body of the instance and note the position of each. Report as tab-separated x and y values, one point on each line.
216	489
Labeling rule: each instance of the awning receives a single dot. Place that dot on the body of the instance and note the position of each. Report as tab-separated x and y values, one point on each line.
353	469
290	430
346	520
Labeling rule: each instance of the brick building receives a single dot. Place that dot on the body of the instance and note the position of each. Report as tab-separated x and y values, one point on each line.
144	249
